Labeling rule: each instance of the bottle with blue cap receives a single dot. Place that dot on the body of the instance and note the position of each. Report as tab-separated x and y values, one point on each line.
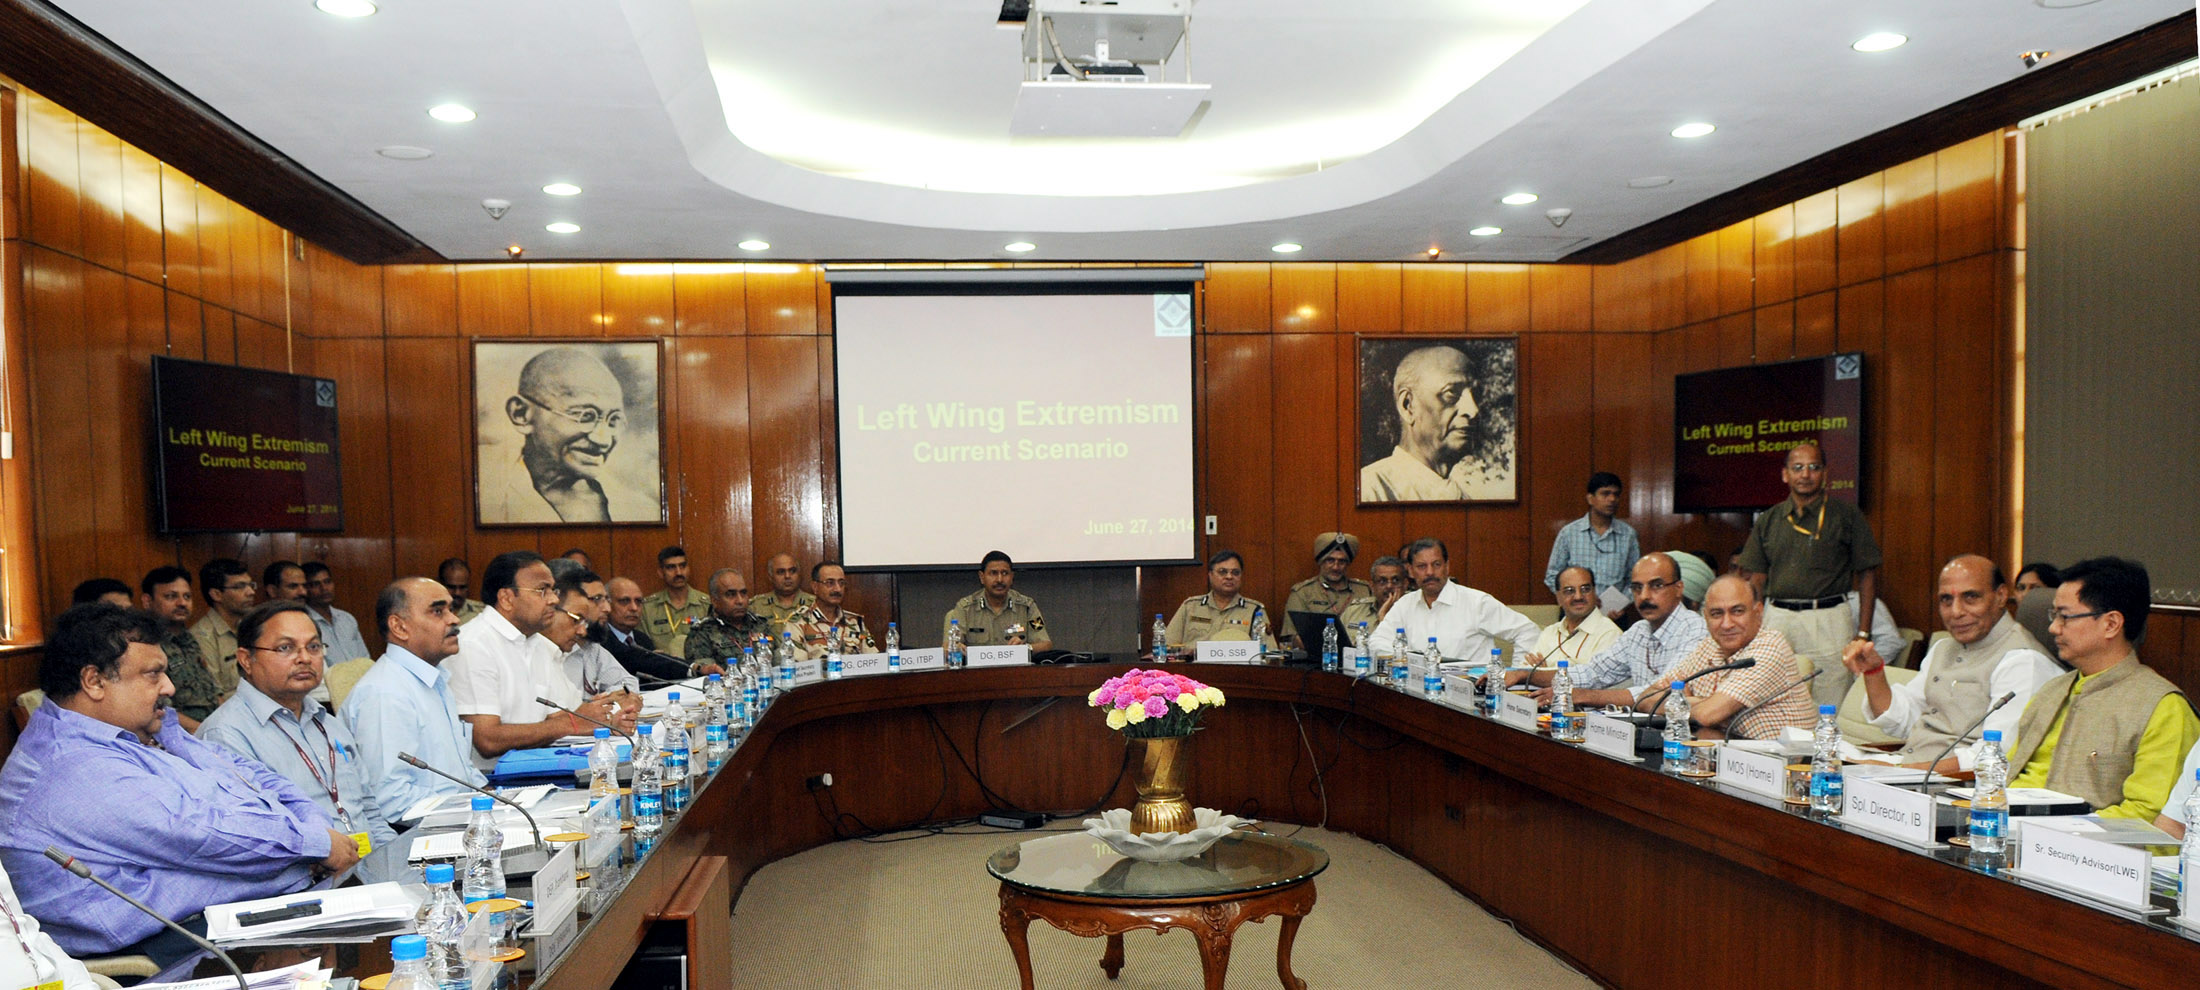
1563	728
1363	662
1677	732
1432	671
1160	639
674	756
786	666
1330	634
1989	795
649	784
893	647
408	964
716	739
603	768
1825	764
484	844
442	921
956	658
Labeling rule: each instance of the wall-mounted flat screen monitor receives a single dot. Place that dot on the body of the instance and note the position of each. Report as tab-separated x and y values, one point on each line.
1733	428
244	450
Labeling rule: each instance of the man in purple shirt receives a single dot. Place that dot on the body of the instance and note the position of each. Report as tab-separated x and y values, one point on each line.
104	772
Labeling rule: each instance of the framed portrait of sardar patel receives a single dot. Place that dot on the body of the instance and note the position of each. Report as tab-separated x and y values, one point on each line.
568	433
1439	420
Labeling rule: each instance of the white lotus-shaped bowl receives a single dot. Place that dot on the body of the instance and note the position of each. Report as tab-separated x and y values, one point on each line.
1209	826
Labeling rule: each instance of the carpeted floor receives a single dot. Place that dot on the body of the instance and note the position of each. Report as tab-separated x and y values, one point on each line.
923	913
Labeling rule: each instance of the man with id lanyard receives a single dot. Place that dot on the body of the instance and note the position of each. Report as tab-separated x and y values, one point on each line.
270	720
28	957
1804	555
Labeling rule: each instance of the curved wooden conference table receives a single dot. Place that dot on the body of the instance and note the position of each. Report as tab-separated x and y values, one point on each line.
1640	879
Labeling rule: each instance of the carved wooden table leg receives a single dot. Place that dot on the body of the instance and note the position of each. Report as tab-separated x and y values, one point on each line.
1295	908
1111	961
1016	925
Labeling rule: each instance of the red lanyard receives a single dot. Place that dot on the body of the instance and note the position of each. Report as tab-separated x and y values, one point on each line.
327	783
1561	648
41	968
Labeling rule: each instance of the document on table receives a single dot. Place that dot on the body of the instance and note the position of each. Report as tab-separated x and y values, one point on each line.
452	845
301	976
461	805
1889	774
339	908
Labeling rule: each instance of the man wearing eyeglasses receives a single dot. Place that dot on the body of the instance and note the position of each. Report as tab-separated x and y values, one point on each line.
2112	731
569	410
496	675
230	593
1582	630
272	720
1803	556
1665	635
590	670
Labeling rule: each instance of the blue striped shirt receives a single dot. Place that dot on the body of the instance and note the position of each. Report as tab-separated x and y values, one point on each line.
1608	557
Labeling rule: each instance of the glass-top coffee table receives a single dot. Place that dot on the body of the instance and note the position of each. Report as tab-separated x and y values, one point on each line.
1077	884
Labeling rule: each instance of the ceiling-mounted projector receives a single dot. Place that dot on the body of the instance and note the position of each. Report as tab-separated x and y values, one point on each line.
1099	68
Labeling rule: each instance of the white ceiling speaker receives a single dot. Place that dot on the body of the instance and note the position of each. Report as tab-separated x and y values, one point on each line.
496	208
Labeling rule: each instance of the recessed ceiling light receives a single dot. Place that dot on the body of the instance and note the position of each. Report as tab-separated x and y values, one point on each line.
1486	231
404	152
1287	248
345	8
1649	181
561	227
1519	199
752	244
1019	247
1694	129
1880	41
562	189
450	113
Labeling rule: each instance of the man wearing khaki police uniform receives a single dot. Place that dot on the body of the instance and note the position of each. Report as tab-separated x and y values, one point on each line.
1331	589
997	614
718	640
669	614
787	596
1387	576
1802	556
815	623
1221	613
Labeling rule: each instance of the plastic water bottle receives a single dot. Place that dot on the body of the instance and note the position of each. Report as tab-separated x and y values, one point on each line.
893	647
2188	858
749	668
1825	764
649	784
1160	639
955	657
675	714
1260	629
1401	655
409	964
1494	681
603	767
1990	796
1562	705
1677	733
484	844
1363	655
834	668
765	668
675	746
716	739
1330	632
786	666
441	921
1432	671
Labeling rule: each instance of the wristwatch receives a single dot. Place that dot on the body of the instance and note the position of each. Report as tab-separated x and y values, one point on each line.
1863	634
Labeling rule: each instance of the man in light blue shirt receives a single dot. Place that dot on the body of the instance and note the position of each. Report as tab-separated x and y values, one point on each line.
1598	540
403	703
270	719
1668	632
104	772
339	630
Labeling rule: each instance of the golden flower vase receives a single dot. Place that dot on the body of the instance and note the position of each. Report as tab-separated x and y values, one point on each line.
1161	805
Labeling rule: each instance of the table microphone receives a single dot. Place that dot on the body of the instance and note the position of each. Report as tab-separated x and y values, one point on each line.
1736	718
1961	736
659	681
417	762
547	703
1741	664
69	863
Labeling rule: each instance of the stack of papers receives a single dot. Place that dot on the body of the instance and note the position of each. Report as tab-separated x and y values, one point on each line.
444	810
1889	774
300	977
370	907
452	845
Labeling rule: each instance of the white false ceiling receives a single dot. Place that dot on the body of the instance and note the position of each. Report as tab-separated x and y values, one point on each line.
877	129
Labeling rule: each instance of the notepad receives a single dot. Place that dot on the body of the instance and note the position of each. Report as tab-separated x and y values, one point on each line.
452	845
339	908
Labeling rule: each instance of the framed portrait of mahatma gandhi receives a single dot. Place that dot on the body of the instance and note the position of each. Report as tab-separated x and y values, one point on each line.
1439	420
568	433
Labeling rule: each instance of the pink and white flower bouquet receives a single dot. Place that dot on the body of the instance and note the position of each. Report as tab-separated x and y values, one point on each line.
1149	704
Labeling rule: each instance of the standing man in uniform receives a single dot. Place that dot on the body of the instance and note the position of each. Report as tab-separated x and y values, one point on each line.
997	614
716	642
1387	575
230	593
1803	556
787	596
1221	613
668	613
457	578
814	626
1598	541
166	592
1331	589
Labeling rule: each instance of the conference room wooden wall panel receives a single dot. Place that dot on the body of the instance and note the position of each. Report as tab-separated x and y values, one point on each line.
1627	423
1904	510
431	494
179	231
1623	296
1235	298
420	301
565	300
1968	189
1310	490
1816	218
141	224
185	317
787	479
1736	339
1737	280
252	266
1433	299
120	407
782	299
99	192
1368	296
214	232
338	298
638	301
709	300
1912	215
1559	298
1773	333
1970	477
1499	298
48	136
1303	298
712	480
361	557
492	301
219	333
1240	462
1860	245
1816	324
1774	255
1700	295
61	426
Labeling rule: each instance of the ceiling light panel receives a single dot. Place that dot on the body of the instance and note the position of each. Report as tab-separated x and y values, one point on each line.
451	113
